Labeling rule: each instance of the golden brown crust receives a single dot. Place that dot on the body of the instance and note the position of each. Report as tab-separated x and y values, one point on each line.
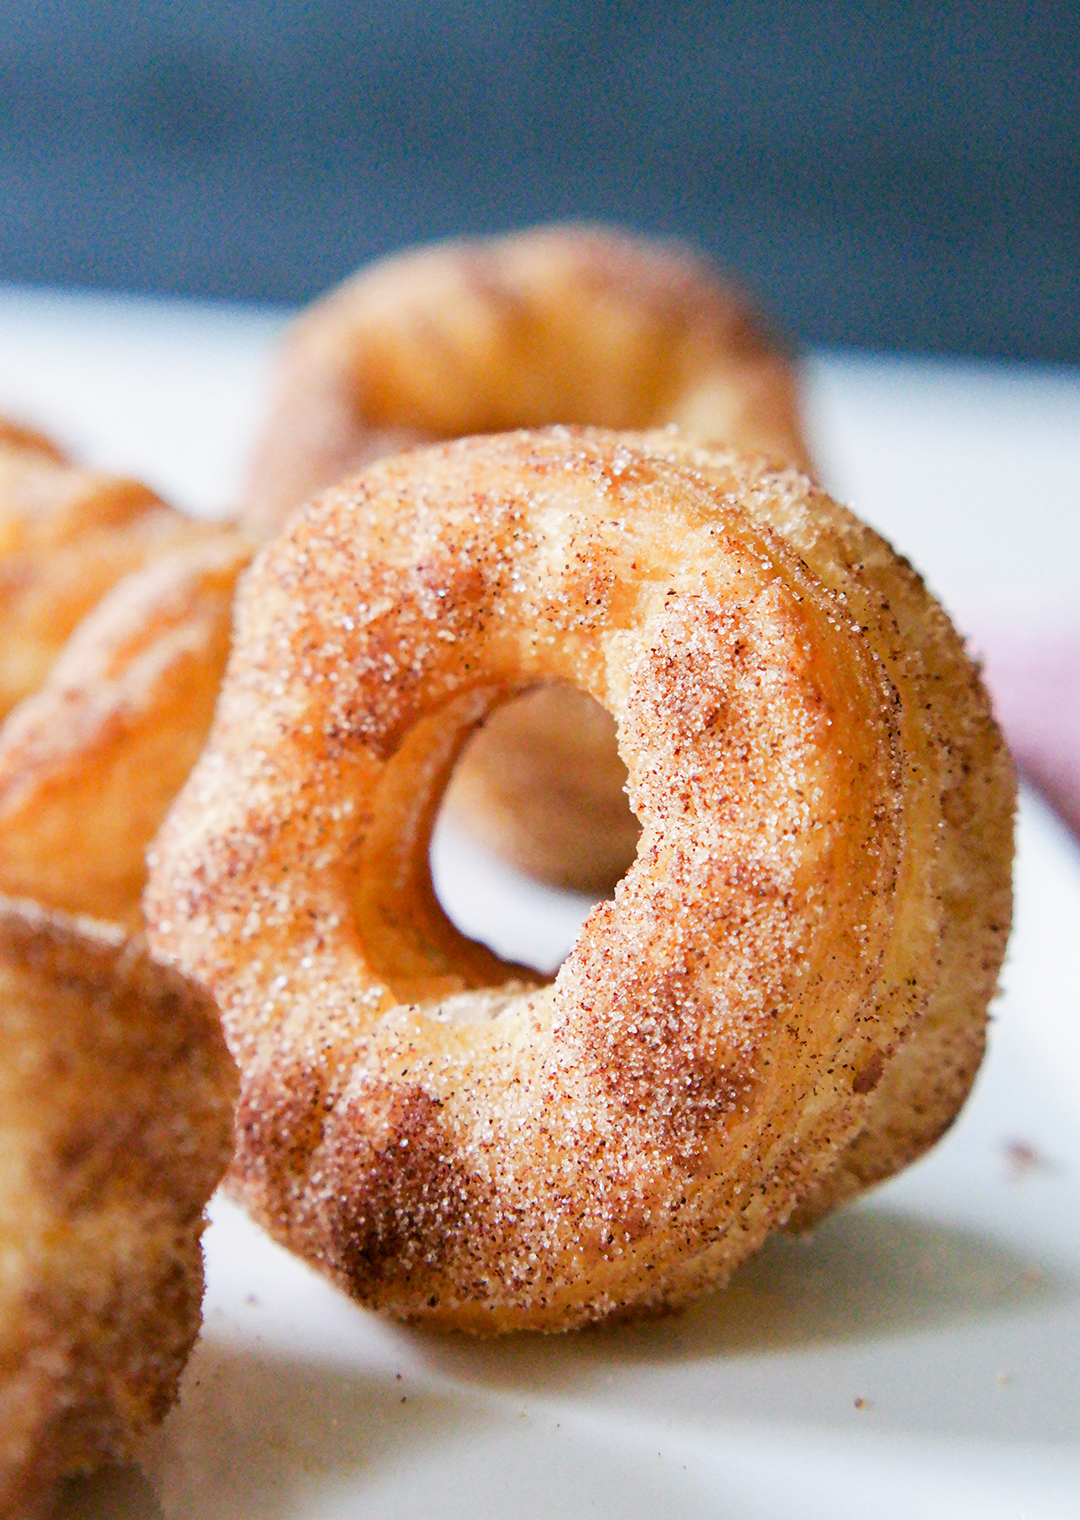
17	437
570	324
960	789
566	324
115	1101
444	1141
90	764
66	535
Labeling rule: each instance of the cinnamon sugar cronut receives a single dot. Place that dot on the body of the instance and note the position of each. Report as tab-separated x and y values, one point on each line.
554	325
116	1094
784	1001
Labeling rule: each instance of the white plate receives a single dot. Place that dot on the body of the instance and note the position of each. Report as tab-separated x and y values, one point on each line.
919	1356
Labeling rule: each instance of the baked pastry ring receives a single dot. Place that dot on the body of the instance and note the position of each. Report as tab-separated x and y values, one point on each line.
116	1095
90	764
66	535
564	324
554	325
446	1141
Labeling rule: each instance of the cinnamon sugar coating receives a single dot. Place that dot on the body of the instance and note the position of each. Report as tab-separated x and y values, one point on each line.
554	325
563	324
116	1094
90	764
67	534
443	1137
960	800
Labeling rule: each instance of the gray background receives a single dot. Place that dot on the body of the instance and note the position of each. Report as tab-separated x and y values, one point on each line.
888	178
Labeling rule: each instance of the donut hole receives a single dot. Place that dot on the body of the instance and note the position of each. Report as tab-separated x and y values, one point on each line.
522	920
535	826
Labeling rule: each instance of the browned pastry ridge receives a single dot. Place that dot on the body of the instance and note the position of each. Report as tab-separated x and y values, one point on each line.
786	998
554	325
16	436
67	534
558	324
116	1094
90	764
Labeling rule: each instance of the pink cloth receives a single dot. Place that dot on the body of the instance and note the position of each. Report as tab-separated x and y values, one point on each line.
1035	683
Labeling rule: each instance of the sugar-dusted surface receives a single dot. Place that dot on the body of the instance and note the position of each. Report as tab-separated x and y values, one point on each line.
90	763
116	1094
570	324
948	1299
560	324
67	533
625	1136
947	1303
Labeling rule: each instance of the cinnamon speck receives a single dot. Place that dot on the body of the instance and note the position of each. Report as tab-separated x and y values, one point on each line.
1022	1159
